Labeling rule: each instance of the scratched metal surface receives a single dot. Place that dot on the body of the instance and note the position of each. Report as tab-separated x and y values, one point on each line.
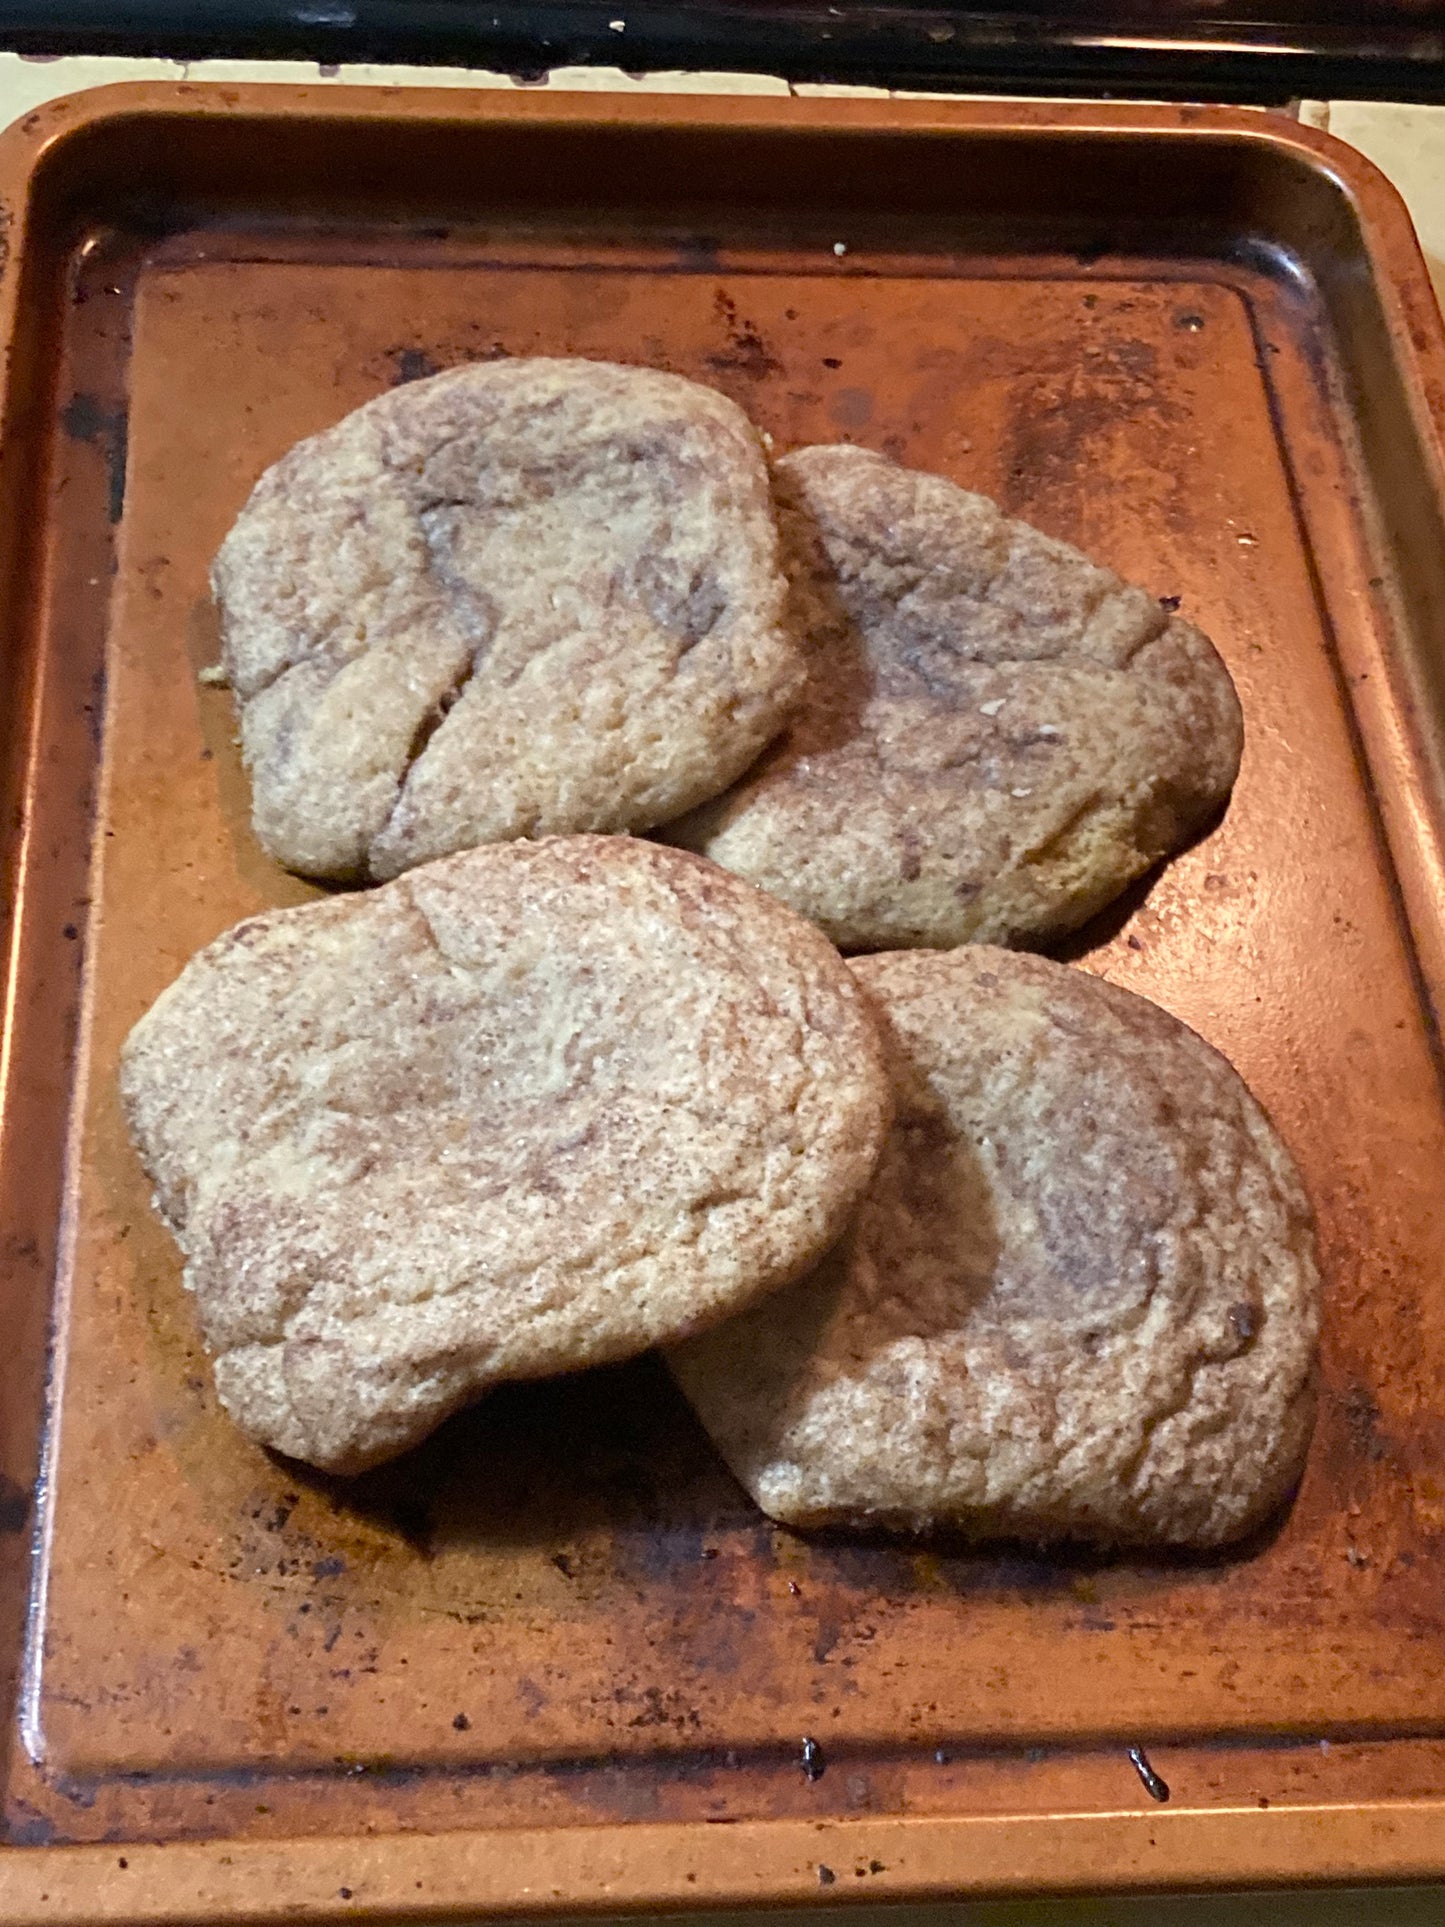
562	1609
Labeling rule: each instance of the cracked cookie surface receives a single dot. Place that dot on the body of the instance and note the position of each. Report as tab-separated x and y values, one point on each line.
1079	1300
997	735
519	598
530	1108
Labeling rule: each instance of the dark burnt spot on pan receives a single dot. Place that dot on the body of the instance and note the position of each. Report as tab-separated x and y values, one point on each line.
81	1794
14	1505
411	364
274	1515
87	419
93	709
746	353
269	1544
22	1825
1310	341
1362	1424
1075	409
655	1707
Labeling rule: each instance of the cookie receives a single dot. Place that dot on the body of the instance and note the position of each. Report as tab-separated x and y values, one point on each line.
997	736
1078	1302
530	1108
518	598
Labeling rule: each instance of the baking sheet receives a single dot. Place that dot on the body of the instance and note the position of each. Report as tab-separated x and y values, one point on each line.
1198	344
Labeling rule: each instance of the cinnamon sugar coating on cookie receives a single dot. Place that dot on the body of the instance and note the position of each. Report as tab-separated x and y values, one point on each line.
1079	1301
997	735
527	1109
517	599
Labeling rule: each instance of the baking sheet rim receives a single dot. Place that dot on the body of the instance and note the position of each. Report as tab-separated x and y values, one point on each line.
684	1865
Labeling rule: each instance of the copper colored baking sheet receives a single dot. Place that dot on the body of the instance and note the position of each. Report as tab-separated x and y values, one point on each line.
1200	344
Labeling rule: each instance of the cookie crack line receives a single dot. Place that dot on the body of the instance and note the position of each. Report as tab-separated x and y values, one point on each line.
428	726
314	655
435	715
